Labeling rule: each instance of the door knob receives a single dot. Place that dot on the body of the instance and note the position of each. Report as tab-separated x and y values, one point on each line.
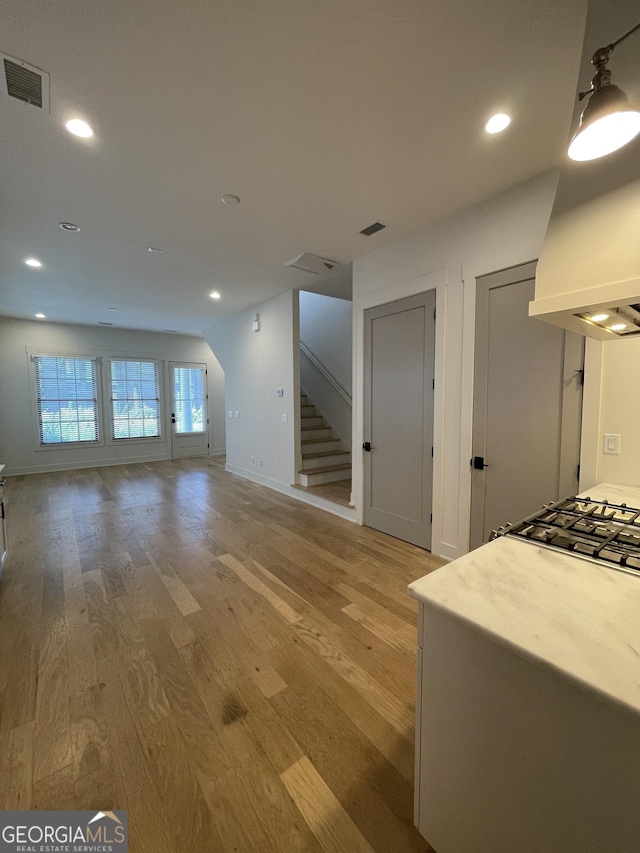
479	463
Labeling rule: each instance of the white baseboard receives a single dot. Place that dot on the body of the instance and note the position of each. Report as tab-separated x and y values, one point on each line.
74	466
346	512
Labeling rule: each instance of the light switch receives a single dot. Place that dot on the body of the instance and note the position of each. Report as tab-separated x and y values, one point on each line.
229	414
612	443
237	414
285	419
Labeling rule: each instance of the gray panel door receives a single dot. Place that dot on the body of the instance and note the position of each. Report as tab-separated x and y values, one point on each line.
399	374
527	405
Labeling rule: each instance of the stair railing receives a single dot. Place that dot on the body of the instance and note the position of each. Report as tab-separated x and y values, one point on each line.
325	372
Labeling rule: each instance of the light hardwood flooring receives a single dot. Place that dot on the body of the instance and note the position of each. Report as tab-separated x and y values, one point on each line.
233	667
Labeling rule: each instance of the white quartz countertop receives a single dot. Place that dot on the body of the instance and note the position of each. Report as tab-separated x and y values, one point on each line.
574	615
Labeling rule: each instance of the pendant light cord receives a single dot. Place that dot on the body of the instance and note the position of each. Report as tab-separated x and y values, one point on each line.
622	38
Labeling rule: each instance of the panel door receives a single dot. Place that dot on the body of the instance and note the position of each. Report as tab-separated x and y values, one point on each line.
527	405
399	377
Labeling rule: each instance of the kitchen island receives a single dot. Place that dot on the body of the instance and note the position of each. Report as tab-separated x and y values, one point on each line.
528	707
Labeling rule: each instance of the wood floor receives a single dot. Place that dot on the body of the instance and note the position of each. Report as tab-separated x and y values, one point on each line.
233	667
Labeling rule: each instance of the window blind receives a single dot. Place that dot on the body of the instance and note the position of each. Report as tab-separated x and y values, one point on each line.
135	399
67	399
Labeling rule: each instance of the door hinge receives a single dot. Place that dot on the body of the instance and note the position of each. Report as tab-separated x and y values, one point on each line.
434	313
578	473
208	446
430	518
207	421
433	383
432	452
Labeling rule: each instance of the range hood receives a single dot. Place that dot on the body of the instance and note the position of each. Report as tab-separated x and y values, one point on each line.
588	274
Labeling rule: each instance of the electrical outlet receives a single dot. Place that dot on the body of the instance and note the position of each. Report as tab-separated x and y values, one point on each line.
237	414
229	414
285	419
261	463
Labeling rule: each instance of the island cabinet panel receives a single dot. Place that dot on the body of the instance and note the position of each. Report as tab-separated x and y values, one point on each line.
513	755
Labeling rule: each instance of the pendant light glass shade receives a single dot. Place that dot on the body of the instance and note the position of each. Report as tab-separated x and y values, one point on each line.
608	122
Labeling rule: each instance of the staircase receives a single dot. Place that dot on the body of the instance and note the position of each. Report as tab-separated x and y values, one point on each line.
325	459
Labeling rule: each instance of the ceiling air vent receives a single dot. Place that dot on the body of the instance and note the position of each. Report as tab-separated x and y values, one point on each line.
312	263
24	82
372	229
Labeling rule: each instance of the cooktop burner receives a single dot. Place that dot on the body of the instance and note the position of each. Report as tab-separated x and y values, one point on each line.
594	530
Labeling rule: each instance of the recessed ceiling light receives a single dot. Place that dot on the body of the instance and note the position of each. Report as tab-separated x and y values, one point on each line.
618	327
69	226
79	128
154	249
497	123
599	318
214	294
41	316
230	199
33	262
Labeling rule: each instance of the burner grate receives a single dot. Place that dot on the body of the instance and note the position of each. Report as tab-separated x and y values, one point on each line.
594	530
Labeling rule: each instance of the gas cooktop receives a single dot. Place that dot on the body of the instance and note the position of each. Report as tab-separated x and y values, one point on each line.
599	531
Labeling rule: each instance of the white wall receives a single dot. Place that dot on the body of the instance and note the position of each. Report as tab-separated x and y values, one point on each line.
259	445
326	330
616	409
18	430
502	232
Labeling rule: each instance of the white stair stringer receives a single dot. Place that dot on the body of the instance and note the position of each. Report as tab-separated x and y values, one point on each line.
325	459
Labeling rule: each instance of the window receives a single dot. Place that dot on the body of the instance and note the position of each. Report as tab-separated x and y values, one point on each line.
66	390
135	399
189	399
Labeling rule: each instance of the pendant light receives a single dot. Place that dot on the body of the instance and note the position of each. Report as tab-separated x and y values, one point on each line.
608	121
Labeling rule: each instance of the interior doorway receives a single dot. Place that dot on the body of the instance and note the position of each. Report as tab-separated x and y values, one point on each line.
527	405
399	344
189	409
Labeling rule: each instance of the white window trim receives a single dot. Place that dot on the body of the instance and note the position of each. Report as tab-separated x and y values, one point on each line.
108	409
35	412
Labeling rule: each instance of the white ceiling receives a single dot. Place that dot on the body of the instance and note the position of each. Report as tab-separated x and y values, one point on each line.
322	116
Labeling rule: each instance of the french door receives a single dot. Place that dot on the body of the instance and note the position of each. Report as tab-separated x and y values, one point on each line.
189	410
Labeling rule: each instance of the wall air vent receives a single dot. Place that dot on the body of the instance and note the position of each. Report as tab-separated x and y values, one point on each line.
102	323
372	229
312	263
24	82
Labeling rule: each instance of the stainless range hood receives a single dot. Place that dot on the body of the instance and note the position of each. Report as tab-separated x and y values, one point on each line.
588	275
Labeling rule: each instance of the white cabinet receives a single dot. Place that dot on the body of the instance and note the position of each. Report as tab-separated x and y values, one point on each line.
528	705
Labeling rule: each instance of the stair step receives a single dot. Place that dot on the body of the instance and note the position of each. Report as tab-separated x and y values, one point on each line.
330	474
330	458
315	432
319	445
307	410
311	421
